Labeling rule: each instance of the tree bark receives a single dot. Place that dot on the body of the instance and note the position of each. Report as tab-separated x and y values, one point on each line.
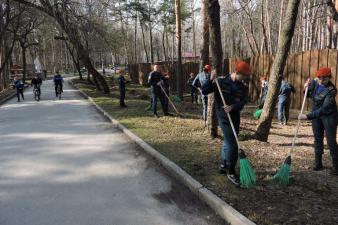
144	42
217	58
283	48
205	36
179	73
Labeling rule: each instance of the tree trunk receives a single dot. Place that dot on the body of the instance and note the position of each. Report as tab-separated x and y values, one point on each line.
205	36
144	42
179	73
217	58
194	31
276	74
24	63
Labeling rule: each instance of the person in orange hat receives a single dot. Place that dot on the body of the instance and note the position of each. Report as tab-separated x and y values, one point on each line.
199	81
235	94
323	116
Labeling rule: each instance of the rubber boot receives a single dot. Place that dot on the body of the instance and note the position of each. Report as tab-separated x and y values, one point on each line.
334	170
318	162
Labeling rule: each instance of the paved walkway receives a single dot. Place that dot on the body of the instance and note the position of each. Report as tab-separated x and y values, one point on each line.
61	163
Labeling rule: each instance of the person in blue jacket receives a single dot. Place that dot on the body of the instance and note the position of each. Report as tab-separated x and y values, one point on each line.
323	116
19	86
199	81
58	81
284	101
235	94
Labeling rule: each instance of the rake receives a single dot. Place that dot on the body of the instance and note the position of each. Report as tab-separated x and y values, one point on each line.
246	173
282	177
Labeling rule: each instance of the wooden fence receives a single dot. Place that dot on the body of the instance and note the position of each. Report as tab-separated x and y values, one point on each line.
298	68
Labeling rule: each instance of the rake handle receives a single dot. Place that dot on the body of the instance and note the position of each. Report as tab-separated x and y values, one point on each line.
298	123
228	114
165	93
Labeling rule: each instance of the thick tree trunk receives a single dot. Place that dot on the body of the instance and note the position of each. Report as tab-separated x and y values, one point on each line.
205	36
276	74
217	58
179	72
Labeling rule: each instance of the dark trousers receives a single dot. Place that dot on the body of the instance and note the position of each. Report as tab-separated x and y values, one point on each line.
229	151
327	124
166	100
122	97
157	94
283	110
194	96
18	93
56	88
204	106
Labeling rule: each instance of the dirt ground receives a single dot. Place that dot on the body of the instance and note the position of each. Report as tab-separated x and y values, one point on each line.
311	198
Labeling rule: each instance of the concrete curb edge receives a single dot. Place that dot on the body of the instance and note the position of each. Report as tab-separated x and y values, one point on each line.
223	209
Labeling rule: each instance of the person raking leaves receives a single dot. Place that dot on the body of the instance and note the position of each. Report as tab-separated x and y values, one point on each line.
230	98
323	116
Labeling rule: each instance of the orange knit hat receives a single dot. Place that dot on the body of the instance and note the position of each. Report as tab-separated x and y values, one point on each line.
324	72
243	68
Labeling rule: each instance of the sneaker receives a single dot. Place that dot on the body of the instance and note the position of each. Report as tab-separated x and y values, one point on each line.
234	179
280	124
222	169
156	115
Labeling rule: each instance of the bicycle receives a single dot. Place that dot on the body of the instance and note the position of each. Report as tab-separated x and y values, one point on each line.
37	93
58	91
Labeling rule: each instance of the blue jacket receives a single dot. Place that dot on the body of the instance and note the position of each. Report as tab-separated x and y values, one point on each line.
285	91
58	78
323	102
18	84
201	79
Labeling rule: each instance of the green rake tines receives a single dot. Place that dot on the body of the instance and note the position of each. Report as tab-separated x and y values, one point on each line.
247	175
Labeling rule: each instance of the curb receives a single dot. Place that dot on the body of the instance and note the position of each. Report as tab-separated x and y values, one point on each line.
4	100
10	96
223	209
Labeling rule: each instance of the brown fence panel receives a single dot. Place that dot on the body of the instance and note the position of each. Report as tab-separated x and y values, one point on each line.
143	72
323	58
314	62
298	68
290	73
298	81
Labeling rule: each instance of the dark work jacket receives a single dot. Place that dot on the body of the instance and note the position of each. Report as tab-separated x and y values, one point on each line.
234	92
324	102
165	84
154	78
122	83
36	81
